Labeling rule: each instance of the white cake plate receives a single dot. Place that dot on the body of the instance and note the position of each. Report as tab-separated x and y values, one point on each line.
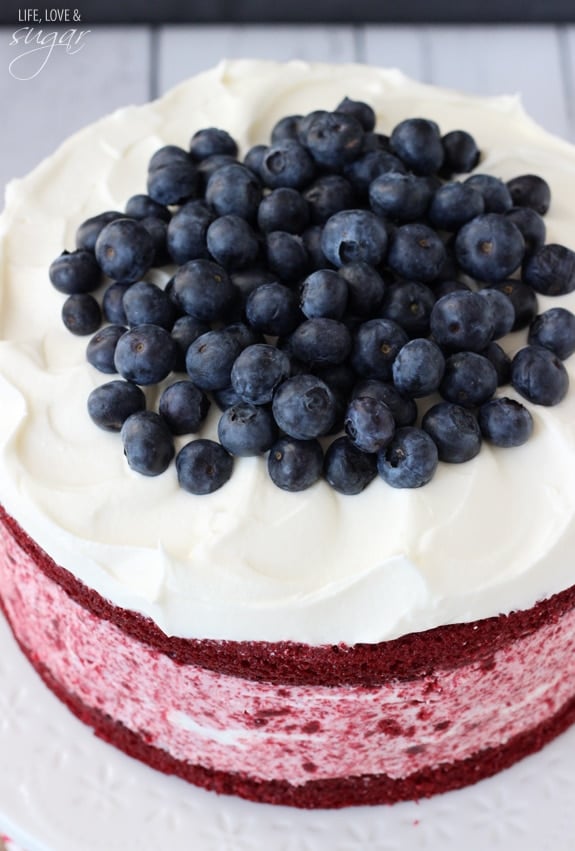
62	789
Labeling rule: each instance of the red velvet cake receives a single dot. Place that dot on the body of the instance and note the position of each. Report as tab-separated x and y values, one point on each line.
309	648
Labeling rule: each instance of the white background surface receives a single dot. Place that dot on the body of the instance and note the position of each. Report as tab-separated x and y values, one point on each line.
61	789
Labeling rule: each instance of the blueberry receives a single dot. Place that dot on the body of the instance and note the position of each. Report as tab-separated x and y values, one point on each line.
89	231
346	468
283	209
550	270
501	362
183	406
539	376
505	422
234	190
249	279
203	289
470	379
360	110
211	164
286	255
410	460
496	195
403	408
147	304
258	371
185	330
211	140
158	230
187	232
365	287
81	314
375	347
225	397
454	430
501	311
311	238
416	252
354	235
254	158
145	354
489	247
333	139
523	299
173	182
368	167
462	320
295	465
232	242
454	204
110	404
203	466
273	309
148	444
321	341
530	190
167	155
210	358
409	303
418	368
461	153
417	142
246	429
554	330
369	423
327	195
449	286
287	163
324	293
124	250
530	224
100	349
400	197
75	272
286	128
304	407
142	206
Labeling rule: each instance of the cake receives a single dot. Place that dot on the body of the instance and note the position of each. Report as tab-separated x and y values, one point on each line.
309	648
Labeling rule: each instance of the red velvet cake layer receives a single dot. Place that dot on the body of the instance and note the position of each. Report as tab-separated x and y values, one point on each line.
291	742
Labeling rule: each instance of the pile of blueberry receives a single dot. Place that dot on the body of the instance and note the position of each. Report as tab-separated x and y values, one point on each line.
320	288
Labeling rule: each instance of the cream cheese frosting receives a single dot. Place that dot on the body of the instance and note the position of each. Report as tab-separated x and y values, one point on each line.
250	561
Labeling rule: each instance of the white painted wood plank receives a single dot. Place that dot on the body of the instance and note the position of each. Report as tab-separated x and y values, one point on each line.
391	46
494	60
72	89
184	51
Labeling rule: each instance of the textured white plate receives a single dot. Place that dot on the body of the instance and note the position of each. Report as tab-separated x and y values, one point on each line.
62	789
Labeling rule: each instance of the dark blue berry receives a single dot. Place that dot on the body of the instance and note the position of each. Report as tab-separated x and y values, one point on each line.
496	195
203	466
501	311
184	407
100	350
368	167
258	371
211	164
470	379
81	314
167	155
324	293
365	287
110	404
75	272
454	204
360	110
295	465
354	235
489	247
89	231
334	139
147	304
203	289
124	250
304	407
234	190
461	320
346	468
287	163
286	255
501	362
418	368
232	242
186	238
409	303
283	209
174	182
148	444
550	270
530	224
321	341
530	190
461	153
369	423
286	128
375	347
145	354
454	430
416	252
523	299
211	140
311	238
246	429
505	422
417	142
539	376
210	358
158	230
403	408
327	195
554	330
254	158
273	309
400	197
410	460
142	206
185	330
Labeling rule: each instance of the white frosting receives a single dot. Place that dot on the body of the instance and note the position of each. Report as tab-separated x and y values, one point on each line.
251	561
